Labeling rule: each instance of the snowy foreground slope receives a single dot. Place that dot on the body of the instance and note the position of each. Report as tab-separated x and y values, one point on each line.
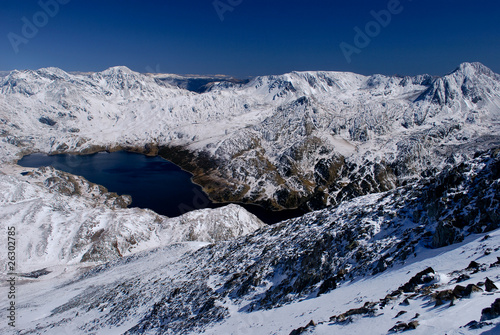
349	269
309	139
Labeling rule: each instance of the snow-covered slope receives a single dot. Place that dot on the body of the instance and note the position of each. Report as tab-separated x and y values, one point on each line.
64	219
375	305
303	138
349	269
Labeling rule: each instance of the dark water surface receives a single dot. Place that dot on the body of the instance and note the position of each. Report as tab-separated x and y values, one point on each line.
152	182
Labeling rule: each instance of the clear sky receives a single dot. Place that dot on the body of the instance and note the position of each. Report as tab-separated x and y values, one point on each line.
249	37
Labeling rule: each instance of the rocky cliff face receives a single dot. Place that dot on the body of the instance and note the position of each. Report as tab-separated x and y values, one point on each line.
337	136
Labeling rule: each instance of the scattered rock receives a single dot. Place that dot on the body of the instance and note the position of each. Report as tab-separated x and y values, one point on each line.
413	324
302	330
423	277
459	291
401	326
473	266
396	293
369	304
462	278
405	302
46	120
442	296
386	300
490	285
497	263
476	325
491	312
471	288
346	317
400	313
462	292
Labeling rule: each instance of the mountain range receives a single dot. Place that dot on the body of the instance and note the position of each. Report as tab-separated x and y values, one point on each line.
400	176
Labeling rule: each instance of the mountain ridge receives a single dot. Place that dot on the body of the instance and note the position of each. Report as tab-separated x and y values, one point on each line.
270	121
400	175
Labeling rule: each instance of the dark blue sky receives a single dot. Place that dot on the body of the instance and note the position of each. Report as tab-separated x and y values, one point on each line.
256	37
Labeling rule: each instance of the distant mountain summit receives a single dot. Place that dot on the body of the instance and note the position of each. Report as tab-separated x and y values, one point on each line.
470	83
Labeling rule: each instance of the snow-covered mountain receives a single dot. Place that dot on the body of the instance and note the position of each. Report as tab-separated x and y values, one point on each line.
404	172
301	139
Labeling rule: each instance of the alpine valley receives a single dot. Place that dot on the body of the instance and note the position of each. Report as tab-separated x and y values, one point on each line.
400	177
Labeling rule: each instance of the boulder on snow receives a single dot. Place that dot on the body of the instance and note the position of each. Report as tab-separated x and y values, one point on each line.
491	312
490	285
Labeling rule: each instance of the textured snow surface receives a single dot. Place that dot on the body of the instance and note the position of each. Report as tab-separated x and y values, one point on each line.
72	301
432	320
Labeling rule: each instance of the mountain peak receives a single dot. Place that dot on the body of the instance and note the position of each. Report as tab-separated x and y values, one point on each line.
474	68
53	72
118	70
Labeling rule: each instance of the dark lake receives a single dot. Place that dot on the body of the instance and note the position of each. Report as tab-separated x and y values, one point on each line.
152	182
